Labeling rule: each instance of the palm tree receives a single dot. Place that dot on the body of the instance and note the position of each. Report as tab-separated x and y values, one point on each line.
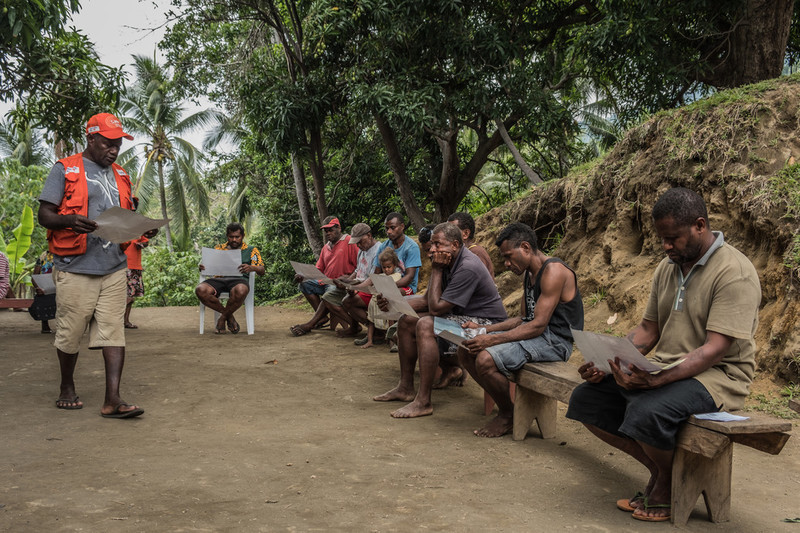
21	141
167	166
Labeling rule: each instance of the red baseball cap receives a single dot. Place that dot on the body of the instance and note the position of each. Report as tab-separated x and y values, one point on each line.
106	125
332	222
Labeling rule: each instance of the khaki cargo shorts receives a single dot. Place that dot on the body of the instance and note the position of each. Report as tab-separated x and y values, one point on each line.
95	301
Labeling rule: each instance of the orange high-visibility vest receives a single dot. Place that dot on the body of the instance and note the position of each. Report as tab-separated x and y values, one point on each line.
76	201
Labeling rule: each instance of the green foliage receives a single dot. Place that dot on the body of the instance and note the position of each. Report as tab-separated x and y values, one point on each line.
169	278
58	70
771	404
166	166
20	186
19	269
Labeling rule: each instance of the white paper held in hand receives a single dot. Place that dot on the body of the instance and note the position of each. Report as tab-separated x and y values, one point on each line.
386	286
310	272
221	262
119	225
598	349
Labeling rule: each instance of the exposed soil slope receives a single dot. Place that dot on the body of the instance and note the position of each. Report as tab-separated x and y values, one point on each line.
738	149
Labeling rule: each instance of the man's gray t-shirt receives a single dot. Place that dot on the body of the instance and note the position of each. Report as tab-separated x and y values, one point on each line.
101	257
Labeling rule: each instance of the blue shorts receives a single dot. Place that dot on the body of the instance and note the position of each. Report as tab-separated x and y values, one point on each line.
511	356
650	416
312	286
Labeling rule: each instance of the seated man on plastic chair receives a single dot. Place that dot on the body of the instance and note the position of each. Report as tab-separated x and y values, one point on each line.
209	290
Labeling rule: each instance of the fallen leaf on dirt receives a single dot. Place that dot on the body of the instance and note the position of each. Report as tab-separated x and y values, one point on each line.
611	319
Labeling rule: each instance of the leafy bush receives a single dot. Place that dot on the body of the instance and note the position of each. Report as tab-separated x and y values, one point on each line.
169	279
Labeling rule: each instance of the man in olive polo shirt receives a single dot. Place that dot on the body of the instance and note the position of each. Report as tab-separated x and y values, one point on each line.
703	309
237	287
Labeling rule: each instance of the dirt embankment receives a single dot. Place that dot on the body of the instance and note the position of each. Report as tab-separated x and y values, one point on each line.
738	149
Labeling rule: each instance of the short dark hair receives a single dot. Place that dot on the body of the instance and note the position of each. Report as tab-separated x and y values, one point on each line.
234	226
451	232
426	233
465	221
516	234
683	205
394	215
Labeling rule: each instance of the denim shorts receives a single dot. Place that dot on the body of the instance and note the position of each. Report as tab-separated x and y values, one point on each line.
511	356
312	286
650	416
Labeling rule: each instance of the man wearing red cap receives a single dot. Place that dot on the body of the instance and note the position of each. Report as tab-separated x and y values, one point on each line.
336	259
89	272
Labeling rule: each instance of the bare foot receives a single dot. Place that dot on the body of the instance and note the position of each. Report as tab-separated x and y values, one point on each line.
220	329
498	427
395	395
454	375
368	345
350	332
233	325
413	410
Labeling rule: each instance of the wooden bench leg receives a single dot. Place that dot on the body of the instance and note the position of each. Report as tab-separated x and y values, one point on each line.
692	475
530	405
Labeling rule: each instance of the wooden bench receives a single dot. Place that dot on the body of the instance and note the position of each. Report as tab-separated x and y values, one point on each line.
15	303
704	454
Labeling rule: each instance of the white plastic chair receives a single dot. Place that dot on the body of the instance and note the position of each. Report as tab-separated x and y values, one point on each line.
249	303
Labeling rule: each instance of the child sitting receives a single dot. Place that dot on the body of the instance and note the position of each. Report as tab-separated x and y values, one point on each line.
393	267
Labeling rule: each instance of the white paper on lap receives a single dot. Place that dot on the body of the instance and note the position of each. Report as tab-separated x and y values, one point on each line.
120	225
386	286
310	272
599	348
221	262
45	282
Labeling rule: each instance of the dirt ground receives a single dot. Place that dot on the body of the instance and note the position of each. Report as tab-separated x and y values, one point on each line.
274	433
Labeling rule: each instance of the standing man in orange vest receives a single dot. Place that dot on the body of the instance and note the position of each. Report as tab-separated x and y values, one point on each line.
89	272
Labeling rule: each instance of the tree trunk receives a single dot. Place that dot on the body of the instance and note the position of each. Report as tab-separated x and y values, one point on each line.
456	182
446	199
304	204
532	175
162	192
415	216
318	172
753	50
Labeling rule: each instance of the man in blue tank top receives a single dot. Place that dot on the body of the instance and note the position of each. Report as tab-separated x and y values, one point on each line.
552	304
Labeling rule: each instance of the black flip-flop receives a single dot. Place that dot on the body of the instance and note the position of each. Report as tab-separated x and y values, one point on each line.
124	414
75	400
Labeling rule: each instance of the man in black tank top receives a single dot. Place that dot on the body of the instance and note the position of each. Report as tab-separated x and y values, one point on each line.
552	304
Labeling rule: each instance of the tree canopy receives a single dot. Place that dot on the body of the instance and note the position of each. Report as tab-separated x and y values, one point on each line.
55	69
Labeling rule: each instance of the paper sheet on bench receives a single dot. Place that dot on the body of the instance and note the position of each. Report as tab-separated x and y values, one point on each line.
599	348
221	262
398	305
721	416
310	272
45	282
120	225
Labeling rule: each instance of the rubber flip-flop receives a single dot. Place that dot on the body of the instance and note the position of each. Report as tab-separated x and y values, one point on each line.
74	400
131	326
124	414
625	503
646	506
